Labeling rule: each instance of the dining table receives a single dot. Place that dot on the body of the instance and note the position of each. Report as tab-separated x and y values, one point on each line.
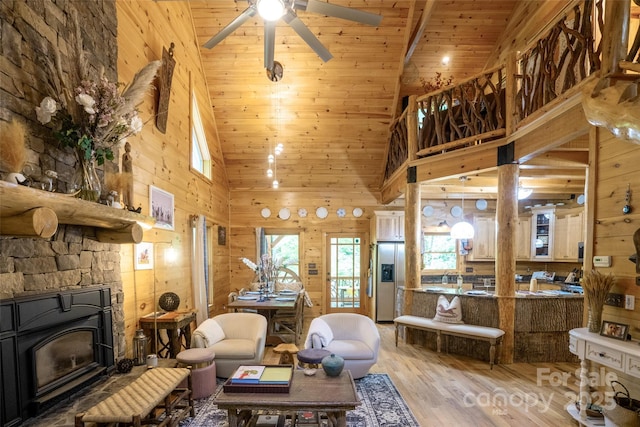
266	307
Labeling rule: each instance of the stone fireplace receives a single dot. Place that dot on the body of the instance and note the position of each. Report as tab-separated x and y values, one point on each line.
61	317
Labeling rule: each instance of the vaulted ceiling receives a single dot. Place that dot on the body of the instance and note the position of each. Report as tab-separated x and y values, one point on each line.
333	117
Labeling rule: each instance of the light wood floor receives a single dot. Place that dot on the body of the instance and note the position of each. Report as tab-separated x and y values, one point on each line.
451	390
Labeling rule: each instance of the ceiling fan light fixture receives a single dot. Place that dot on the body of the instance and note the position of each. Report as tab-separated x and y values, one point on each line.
271	10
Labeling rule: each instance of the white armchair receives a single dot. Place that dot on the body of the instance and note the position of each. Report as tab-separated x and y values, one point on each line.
237	339
352	336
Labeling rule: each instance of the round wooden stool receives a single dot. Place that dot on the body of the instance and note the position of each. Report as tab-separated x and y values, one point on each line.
203	370
286	352
312	356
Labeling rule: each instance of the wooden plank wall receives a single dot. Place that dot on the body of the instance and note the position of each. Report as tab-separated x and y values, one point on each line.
162	160
618	165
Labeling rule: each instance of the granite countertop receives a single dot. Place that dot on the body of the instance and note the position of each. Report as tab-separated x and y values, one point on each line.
481	293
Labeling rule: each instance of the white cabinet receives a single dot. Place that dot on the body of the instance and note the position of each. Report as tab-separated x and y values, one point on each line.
484	240
390	226
568	232
523	238
542	232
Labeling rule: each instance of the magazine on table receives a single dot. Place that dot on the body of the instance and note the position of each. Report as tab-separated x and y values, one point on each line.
260	374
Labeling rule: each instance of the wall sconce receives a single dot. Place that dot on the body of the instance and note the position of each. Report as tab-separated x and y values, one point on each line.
523	192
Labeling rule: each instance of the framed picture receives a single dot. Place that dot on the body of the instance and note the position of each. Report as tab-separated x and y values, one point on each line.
614	330
161	207
222	235
143	256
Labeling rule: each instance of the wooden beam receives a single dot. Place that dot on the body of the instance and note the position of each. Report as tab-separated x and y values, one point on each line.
419	30
129	234
36	222
17	199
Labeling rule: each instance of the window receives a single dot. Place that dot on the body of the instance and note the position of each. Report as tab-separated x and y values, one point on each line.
284	247
200	157
439	252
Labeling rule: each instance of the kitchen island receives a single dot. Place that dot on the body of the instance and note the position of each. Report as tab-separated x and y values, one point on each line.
542	322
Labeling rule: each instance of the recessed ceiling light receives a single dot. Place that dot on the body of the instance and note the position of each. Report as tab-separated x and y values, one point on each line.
445	60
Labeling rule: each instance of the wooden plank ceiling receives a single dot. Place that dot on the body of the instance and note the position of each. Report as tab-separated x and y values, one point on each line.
333	118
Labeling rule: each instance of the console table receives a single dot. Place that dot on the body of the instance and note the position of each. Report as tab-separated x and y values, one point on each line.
623	356
177	325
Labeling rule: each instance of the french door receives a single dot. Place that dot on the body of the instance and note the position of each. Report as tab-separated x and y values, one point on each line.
346	284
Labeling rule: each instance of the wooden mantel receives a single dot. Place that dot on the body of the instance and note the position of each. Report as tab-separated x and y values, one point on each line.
27	211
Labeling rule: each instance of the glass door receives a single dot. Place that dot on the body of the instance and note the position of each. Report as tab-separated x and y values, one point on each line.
344	286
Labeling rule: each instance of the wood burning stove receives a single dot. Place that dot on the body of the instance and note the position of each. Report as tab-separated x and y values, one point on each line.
52	345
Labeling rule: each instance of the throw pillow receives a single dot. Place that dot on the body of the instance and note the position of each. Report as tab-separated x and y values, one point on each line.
212	332
448	312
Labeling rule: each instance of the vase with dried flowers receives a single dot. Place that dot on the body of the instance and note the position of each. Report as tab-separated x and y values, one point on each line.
90	113
596	286
267	270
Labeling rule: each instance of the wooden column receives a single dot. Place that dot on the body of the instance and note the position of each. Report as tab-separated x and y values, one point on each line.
506	220
615	39
412	215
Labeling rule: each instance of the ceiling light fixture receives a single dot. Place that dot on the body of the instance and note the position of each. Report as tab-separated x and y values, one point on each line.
462	229
523	192
445	60
271	10
274	152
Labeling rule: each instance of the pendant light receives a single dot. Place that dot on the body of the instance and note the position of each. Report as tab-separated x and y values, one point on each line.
462	229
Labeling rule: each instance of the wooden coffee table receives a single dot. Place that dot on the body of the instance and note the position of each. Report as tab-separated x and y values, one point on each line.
318	393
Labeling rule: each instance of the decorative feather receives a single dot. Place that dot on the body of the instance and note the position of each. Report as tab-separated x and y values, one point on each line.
135	91
12	152
252	265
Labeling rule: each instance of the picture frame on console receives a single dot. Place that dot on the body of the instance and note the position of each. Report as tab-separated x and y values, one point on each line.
614	330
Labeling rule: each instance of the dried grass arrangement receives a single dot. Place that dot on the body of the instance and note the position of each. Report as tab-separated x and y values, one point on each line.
12	146
596	287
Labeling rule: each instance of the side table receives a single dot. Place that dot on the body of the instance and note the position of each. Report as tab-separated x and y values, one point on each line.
176	324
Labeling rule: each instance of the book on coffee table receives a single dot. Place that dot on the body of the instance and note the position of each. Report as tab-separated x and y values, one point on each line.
247	374
260	379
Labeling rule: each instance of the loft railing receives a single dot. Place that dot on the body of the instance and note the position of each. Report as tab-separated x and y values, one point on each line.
459	115
473	112
560	60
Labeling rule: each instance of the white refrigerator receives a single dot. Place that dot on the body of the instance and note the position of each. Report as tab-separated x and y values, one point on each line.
390	275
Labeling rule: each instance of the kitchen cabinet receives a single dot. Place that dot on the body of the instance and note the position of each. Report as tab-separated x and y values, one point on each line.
484	241
523	238
568	232
542	233
390	226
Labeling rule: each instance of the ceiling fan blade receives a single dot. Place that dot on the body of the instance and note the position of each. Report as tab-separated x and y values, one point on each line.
306	34
231	27
269	43
343	12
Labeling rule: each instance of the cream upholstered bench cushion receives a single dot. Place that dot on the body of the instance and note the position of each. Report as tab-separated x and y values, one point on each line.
138	398
486	333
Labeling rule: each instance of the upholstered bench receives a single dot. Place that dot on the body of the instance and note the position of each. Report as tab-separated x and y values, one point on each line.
136	403
484	333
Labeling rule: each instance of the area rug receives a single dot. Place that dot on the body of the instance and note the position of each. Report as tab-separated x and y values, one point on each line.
382	406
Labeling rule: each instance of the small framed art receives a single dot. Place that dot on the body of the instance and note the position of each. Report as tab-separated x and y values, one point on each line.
143	256
614	330
161	207
222	235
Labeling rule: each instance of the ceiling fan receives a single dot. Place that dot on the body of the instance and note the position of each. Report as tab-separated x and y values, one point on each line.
274	10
